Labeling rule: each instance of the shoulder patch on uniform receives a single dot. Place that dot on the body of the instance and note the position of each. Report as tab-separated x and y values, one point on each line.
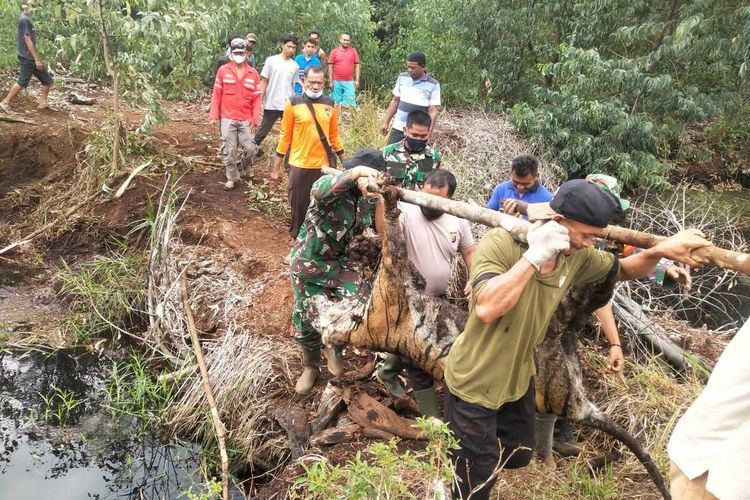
390	148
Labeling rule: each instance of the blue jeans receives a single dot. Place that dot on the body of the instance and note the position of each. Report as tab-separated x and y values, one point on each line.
343	93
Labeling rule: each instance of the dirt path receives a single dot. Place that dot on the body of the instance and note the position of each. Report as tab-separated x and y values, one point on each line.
37	160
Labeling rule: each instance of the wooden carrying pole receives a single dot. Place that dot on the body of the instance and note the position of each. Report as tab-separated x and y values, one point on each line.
714	256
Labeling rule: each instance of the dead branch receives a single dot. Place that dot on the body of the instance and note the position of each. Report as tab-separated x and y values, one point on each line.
331	402
714	256
50	225
18	119
370	413
218	425
628	311
335	435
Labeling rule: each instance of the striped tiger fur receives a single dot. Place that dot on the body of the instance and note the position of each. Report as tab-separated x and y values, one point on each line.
399	318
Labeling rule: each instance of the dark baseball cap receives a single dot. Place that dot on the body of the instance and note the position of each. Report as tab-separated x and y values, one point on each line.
579	200
238	45
367	157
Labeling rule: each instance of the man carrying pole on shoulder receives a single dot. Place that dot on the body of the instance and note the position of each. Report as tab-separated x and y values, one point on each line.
319	262
489	393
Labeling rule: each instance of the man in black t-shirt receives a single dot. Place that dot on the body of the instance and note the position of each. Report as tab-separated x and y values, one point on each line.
29	62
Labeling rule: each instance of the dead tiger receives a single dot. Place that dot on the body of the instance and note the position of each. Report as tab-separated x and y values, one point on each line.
399	318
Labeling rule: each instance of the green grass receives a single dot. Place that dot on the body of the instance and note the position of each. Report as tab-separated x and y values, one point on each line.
104	295
360	126
59	406
131	390
211	490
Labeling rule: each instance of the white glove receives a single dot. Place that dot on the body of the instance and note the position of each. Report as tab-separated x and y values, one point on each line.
546	240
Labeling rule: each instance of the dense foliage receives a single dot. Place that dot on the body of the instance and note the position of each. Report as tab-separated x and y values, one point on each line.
605	85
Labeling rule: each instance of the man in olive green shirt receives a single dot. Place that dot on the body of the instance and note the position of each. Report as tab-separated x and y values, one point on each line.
516	287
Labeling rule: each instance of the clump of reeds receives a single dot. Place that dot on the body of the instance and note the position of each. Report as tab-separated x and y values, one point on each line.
104	295
250	378
360	126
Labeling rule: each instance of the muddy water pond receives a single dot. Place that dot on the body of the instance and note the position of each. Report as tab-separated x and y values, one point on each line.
58	442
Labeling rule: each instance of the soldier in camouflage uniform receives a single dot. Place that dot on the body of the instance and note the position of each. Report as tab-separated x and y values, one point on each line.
319	264
408	162
410	159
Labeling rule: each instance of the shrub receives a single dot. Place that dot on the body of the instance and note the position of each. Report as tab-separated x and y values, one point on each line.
385	473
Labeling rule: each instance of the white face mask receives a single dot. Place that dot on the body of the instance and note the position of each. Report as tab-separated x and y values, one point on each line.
239	59
313	95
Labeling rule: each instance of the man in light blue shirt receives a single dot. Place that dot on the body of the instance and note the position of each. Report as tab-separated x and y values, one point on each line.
523	185
308	57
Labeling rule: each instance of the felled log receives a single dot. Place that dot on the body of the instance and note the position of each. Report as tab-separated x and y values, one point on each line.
399	318
371	414
335	435
627	310
331	402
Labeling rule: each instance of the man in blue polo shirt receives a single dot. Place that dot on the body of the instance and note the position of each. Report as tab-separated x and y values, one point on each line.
308	57
523	185
414	90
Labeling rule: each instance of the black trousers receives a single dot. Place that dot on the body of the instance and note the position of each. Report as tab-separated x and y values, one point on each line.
269	118
418	378
298	193
479	430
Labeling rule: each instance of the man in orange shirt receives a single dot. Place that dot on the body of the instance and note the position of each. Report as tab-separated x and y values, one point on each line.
310	135
236	104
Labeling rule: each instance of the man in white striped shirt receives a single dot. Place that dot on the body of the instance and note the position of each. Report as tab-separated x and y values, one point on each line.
414	90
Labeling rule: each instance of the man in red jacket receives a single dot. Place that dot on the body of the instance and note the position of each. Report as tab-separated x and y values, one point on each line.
236	106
